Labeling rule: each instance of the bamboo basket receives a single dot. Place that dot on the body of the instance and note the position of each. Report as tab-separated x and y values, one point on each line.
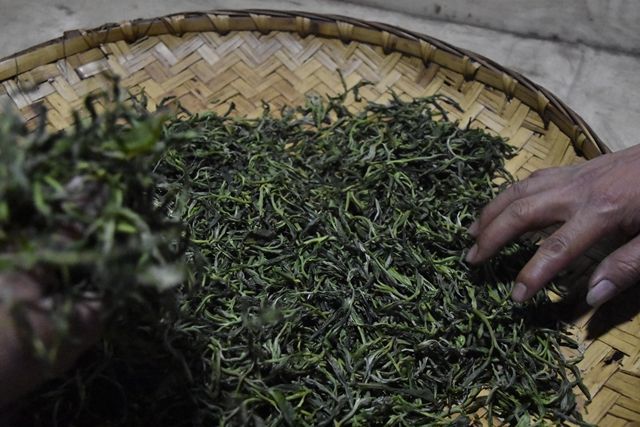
280	57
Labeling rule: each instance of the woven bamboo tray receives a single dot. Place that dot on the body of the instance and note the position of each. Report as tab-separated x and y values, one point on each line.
280	57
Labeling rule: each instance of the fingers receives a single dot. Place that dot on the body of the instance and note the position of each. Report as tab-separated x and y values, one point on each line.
555	254
617	272
522	215
19	369
537	182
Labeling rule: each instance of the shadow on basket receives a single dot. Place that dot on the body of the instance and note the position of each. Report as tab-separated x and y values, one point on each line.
573	309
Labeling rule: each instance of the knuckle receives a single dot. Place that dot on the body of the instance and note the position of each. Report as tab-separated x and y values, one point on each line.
519	189
554	245
626	266
520	210
605	201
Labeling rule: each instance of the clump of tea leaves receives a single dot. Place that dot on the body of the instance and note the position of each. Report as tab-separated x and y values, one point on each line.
79	210
327	282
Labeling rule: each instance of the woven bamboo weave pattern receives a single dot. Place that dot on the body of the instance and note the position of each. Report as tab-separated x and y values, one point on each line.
203	68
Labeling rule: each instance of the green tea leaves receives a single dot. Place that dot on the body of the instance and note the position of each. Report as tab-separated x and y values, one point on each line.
325	281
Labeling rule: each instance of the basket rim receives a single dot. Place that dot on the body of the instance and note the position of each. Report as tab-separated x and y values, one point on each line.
471	65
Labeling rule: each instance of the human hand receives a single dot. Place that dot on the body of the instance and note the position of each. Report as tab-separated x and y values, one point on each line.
593	200
20	370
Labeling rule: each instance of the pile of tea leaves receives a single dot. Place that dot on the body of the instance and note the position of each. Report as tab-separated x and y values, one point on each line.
327	284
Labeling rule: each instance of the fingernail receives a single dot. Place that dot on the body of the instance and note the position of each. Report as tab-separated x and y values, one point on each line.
519	292
473	228
471	255
602	292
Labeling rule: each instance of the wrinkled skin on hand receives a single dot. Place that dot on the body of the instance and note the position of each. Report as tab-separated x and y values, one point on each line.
20	370
597	199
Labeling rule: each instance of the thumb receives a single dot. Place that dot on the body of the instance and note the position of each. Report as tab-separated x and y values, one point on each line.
617	272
